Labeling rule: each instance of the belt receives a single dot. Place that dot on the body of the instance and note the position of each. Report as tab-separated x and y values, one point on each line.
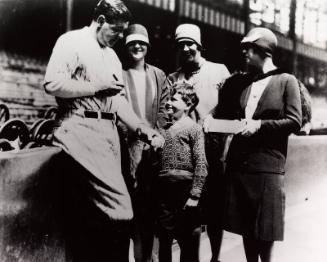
99	115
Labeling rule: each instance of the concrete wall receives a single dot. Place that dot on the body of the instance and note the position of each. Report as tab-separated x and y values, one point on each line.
29	228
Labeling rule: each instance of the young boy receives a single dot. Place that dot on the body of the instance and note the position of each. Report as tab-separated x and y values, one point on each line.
181	179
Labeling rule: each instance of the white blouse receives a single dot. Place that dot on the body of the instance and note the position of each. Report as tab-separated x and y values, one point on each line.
256	92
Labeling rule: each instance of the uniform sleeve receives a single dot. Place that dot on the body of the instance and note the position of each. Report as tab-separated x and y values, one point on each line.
125	112
61	68
291	122
199	161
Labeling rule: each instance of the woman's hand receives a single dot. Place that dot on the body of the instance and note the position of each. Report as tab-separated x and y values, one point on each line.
191	203
250	128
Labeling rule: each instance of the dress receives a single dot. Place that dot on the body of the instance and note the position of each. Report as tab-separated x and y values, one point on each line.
93	143
182	176
256	164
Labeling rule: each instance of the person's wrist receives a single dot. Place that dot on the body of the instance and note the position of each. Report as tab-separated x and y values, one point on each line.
93	89
142	127
258	125
145	131
97	86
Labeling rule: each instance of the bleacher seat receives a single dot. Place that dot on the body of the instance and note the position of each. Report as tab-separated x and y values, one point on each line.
41	133
5	145
21	81
4	113
51	113
15	129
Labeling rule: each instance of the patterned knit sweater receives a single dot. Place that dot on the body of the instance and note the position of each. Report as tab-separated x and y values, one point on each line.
184	150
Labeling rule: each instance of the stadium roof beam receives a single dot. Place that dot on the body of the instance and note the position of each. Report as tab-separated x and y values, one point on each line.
69	14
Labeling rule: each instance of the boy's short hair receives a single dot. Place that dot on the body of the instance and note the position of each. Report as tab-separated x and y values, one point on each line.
112	10
187	93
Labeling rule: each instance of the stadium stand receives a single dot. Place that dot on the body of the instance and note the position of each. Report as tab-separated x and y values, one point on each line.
21	88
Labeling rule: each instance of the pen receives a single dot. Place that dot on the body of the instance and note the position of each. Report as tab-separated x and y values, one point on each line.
115	77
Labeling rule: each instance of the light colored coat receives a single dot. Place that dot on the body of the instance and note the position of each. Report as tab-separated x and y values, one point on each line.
206	81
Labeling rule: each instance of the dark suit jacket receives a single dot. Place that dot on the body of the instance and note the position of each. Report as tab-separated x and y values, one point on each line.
279	110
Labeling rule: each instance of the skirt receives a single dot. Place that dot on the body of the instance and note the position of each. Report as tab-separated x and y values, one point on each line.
214	191
255	205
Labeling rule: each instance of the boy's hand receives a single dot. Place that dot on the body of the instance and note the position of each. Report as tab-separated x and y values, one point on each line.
191	203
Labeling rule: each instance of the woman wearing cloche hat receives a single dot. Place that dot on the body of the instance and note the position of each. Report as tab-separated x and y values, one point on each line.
268	102
206	77
143	85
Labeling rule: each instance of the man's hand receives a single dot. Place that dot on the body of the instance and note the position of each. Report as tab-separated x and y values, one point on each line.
154	138
157	142
191	203
250	128
111	89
